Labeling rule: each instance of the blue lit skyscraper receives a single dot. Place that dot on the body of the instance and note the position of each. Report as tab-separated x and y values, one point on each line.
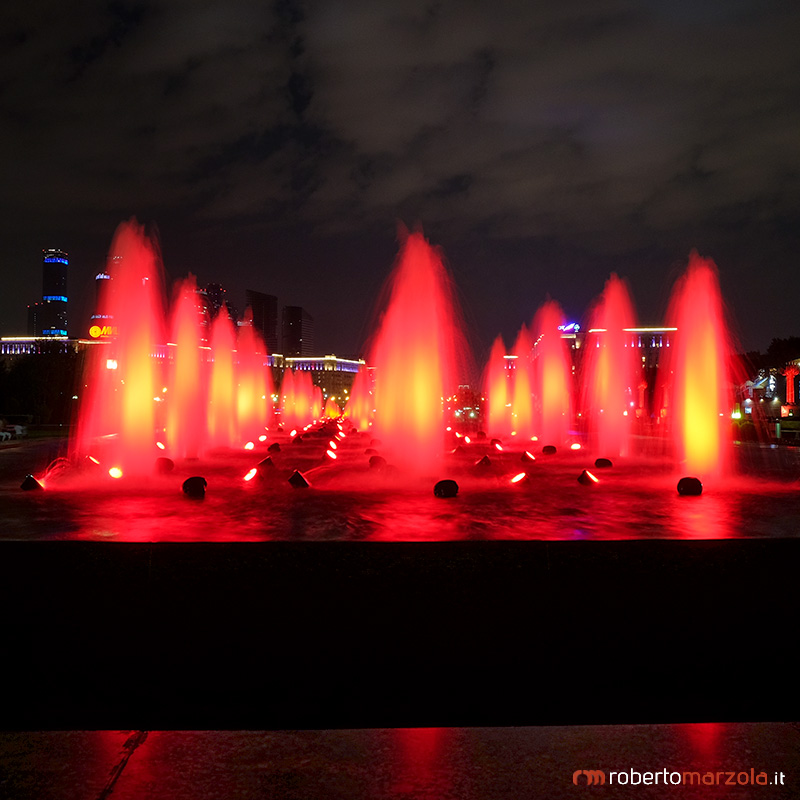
51	316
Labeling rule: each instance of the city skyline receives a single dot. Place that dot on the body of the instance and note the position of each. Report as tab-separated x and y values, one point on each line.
281	146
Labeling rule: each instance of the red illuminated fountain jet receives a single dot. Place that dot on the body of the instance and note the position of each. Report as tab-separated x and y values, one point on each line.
415	355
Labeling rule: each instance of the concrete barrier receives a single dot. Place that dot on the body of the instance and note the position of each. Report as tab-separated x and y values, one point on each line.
342	634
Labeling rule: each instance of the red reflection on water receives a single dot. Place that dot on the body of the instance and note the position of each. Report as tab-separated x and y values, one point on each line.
709	516
704	739
420	765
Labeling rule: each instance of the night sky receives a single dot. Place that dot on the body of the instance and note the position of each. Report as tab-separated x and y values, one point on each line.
540	145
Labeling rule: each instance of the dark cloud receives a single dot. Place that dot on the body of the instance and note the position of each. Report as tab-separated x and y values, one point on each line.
541	145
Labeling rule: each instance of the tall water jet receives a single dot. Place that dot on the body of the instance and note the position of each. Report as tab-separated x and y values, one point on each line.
359	405
222	421
552	376
698	371
254	389
187	394
415	357
498	390
522	396
122	379
611	371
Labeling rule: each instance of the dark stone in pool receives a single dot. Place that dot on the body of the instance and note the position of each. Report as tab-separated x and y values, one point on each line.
527	457
690	486
164	465
480	435
370	451
446	488
495	442
274	448
195	487
297	439
298	480
549	450
31	484
377	462
266	463
600	463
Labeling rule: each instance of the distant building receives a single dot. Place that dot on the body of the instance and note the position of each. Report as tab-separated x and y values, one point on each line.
215	294
265	317
49	318
297	332
335	376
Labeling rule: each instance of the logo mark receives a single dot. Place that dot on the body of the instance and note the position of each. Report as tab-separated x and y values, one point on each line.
593	776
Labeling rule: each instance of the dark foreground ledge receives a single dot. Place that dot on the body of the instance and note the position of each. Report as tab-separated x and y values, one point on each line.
338	634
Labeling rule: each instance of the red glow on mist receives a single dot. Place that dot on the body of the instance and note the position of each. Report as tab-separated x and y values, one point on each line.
552	384
611	370
415	356
699	389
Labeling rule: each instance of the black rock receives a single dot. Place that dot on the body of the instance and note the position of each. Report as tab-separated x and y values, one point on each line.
602	463
690	486
446	488
195	487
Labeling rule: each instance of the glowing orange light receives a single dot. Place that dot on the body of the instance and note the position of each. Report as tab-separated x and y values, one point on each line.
575	446
115	472
498	446
293	433
249	446
263	437
94	460
250	475
519	477
467	440
332	444
161	446
530	456
592	477
331	454
534	438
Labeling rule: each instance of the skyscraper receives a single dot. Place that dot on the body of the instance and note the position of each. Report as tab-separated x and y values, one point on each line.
265	317
297	331
49	318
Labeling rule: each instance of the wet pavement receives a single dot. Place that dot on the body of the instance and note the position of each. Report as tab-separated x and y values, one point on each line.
435	763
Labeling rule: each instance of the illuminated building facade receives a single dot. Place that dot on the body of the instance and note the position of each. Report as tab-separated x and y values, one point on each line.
49	318
335	376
